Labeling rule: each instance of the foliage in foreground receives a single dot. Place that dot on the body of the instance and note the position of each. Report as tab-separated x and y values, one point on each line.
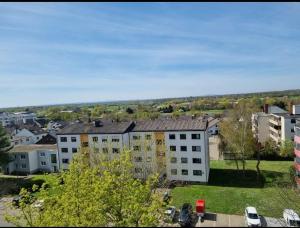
105	194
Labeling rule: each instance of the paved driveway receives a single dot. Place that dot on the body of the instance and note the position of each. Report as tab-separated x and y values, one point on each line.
221	220
3	210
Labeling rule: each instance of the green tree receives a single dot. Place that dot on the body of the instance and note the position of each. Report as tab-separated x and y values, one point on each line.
237	134
287	148
96	191
5	146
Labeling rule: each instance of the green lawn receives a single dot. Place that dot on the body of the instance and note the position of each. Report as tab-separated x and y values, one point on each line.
229	192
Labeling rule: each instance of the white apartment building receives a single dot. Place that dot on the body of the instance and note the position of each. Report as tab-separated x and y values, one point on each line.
176	148
28	159
274	123
106	137
281	125
7	119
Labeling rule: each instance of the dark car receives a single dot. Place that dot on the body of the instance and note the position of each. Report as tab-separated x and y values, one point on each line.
185	215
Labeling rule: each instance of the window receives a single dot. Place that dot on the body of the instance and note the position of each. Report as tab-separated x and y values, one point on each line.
27	139
23	156
184	160
64	150
104	140
115	150
65	160
173	160
42	154
23	166
172	148
197	160
195	136
53	158
136	137
138	159
74	150
95	139
136	148
197	172
37	138
184	172
63	139
173	171
115	140
183	148
172	136
148	137
182	136
138	170
148	148
196	148
16	165
158	142
292	130
73	139
43	163
293	120
105	150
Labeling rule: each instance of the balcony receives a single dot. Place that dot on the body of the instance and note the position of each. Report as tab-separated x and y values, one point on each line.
275	138
277	131
275	121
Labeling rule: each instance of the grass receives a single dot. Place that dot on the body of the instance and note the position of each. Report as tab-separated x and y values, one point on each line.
229	192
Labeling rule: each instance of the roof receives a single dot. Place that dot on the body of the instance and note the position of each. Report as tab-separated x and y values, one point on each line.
47	139
107	127
170	125
213	122
34	128
286	115
32	147
251	210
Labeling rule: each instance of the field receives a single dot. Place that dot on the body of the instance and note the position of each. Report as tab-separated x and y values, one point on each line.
229	192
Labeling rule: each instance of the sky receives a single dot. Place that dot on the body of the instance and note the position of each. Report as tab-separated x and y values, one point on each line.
52	53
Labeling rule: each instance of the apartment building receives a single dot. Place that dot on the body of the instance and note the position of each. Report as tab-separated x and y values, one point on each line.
281	125
178	148
107	137
175	148
297	152
28	159
274	123
7	119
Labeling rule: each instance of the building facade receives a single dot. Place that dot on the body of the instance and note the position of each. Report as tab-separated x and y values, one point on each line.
28	159
7	119
177	149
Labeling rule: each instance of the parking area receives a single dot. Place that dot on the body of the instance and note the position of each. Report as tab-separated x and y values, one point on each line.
221	220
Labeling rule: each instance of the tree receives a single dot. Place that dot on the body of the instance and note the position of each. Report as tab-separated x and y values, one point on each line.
5	146
237	134
96	192
287	148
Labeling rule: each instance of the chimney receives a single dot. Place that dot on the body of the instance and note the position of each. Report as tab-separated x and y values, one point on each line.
266	108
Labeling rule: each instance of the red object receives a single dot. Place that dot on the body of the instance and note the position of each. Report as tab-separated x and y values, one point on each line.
200	206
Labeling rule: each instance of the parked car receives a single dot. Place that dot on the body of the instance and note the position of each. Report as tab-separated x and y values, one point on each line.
252	219
291	218
170	213
185	215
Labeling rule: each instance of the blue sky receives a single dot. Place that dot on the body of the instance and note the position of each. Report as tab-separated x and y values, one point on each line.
85	52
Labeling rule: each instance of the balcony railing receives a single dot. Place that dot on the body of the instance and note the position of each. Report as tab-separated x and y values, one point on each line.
275	121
